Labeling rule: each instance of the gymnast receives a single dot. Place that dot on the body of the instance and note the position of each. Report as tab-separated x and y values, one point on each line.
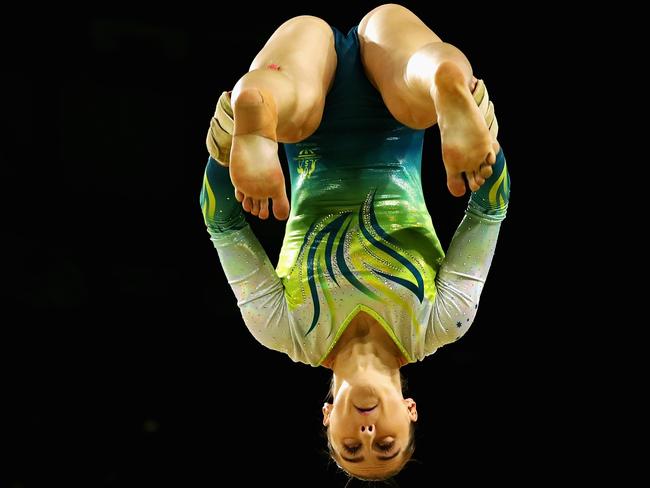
362	286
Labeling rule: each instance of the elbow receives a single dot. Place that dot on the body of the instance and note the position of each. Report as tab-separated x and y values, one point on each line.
451	322
267	319
459	328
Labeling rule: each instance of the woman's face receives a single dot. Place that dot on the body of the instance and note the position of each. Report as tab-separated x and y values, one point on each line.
369	428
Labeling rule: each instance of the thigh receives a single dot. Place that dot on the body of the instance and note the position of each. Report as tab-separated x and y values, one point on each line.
303	49
389	36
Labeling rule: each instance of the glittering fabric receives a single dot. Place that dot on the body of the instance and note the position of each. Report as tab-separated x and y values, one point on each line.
359	236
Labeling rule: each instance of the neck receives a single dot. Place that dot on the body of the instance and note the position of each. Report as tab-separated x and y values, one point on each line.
367	352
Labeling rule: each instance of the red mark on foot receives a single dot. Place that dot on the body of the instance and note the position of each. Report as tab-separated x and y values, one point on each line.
274	66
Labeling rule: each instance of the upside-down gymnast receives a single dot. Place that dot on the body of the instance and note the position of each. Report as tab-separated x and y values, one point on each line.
362	285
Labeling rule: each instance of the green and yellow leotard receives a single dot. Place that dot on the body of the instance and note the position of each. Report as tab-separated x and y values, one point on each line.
359	236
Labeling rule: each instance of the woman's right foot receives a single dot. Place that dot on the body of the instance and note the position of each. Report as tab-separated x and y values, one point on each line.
255	168
467	146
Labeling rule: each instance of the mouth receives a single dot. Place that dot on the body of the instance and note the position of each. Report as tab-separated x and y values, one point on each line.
365	411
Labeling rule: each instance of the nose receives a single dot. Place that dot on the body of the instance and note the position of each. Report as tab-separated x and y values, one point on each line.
368	429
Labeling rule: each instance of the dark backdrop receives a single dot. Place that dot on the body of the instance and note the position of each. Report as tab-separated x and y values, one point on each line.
125	360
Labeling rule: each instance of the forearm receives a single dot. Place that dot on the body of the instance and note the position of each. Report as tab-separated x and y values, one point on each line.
257	287
246	265
462	275
250	274
222	213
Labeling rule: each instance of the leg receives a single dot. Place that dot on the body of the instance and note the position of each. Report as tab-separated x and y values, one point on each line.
280	99
423	80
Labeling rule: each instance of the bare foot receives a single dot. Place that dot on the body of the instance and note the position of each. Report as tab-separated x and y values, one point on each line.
467	146
255	168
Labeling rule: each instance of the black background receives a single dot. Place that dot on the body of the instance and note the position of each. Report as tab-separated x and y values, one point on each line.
124	358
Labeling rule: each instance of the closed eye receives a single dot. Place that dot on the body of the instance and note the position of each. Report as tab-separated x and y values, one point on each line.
351	449
385	447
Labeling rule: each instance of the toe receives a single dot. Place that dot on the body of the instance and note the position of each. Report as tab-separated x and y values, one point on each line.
248	204
264	209
256	207
491	158
239	196
485	171
456	185
471	181
492	155
281	205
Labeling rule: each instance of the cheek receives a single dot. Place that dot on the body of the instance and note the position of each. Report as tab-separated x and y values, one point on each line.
398	423
336	425
341	426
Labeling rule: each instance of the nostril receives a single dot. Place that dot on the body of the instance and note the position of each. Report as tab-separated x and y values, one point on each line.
363	428
370	428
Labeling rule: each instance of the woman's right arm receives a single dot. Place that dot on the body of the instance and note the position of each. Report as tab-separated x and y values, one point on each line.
252	277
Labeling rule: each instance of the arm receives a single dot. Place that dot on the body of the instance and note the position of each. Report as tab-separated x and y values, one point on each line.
461	277
259	290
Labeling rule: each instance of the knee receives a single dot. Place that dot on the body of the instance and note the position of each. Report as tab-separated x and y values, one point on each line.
308	22
387	10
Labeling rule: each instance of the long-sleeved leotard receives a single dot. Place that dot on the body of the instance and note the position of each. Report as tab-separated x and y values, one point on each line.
359	236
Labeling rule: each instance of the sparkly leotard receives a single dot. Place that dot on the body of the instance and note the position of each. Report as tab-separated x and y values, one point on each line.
359	236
